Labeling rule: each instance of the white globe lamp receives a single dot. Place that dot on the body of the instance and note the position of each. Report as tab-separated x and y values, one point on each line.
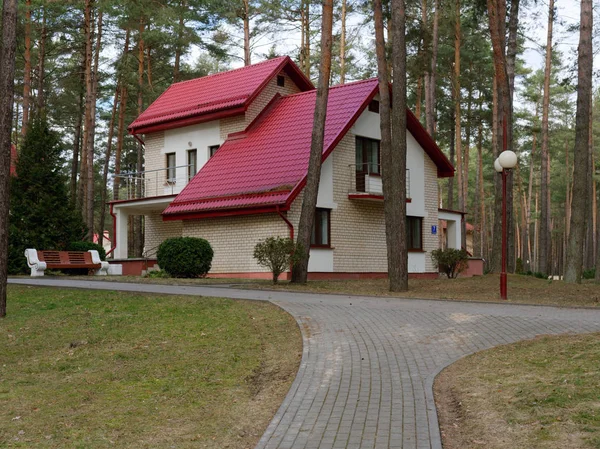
507	160
497	166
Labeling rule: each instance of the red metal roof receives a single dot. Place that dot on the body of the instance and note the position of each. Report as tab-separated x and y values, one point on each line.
200	98
265	166
13	160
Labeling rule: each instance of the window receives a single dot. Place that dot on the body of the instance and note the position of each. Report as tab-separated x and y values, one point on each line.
374	106
321	229
192	162
280	80
414	235
212	150
367	156
171	171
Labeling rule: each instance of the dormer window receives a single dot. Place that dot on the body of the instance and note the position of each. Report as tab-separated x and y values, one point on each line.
280	80
374	106
212	150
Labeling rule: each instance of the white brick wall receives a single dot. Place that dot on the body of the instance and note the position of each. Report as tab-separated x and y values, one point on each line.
233	239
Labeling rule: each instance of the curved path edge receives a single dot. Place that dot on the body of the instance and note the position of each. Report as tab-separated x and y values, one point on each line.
369	364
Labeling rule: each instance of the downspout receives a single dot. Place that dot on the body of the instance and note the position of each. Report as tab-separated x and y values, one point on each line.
114	239
290	225
287	222
137	137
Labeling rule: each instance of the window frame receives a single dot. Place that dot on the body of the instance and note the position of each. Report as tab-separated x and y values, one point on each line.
365	159
317	230
212	150
280	81
193	151
409	236
171	168
374	106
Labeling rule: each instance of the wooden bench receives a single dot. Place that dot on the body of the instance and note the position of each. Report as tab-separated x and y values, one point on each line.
39	261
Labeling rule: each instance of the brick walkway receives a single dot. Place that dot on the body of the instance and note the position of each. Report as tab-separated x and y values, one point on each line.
368	365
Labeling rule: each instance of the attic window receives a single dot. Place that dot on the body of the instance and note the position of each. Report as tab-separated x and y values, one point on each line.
374	106
280	80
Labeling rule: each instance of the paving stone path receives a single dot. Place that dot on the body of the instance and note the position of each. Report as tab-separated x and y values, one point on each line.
368	364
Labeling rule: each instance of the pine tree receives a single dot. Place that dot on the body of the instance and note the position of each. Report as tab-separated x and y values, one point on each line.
41	215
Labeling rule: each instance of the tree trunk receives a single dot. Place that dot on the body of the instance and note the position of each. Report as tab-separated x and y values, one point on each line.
246	18
418	96
7	76
580	194
544	233
452	160
460	170
121	125
430	80
394	168
497	19
343	45
394	269
87	155
111	129
307	215
77	134
307	64
27	69
179	44
92	133
138	239
41	101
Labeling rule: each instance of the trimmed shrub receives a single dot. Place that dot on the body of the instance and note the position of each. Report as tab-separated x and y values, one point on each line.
589	274
275	253
450	261
86	246
519	267
185	257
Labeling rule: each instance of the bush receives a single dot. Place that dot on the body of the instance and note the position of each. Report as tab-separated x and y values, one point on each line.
519	267
450	261
185	257
589	274
540	275
86	246
275	253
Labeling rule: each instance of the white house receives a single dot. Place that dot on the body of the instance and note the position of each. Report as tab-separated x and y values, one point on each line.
226	160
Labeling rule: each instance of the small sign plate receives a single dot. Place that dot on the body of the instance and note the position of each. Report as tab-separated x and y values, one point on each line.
434	229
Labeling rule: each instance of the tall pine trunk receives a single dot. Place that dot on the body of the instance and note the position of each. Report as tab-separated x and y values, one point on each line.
107	155
395	166
343	44
41	99
574	263
27	69
137	220
7	76
544	233
246	19
431	75
121	124
309	202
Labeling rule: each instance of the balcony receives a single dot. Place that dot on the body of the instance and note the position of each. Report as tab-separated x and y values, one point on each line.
366	182
152	183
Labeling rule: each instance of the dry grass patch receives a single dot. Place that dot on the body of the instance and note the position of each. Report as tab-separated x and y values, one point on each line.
88	369
542	393
521	289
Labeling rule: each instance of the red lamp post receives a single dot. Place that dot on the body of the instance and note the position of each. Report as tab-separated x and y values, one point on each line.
503	164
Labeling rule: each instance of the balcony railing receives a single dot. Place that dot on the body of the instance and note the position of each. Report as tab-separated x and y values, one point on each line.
366	178
151	183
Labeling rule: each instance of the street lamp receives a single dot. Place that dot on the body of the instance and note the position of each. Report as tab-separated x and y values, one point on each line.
503	164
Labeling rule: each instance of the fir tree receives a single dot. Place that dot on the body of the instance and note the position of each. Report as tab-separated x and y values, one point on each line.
41	215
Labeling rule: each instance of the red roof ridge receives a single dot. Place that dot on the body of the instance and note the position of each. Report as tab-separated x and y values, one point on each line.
337	86
212	75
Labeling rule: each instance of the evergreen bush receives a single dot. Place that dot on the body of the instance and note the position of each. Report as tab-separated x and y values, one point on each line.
185	257
86	246
275	253
450	261
41	214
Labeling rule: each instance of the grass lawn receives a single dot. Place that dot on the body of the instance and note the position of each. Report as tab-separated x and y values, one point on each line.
85	369
542	393
521	289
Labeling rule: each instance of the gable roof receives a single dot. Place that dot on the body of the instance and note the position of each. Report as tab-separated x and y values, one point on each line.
214	96
264	167
13	160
